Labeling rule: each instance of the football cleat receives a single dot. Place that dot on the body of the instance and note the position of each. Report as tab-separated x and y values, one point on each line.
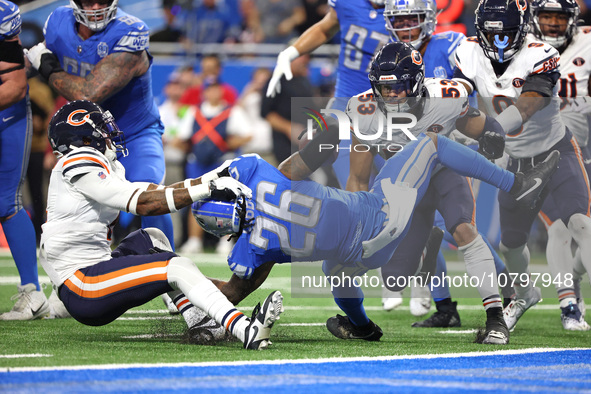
518	306
259	330
391	299
529	184
208	332
496	332
30	304
572	318
56	307
420	300
341	327
445	316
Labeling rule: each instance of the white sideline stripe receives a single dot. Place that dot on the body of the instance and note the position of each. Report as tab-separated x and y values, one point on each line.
149	336
288	361
32	355
471	331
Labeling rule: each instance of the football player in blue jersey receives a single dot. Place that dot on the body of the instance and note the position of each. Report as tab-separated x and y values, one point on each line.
293	219
94	51
16	131
413	21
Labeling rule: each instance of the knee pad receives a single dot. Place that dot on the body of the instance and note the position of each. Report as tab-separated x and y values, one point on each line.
513	239
558	232
182	271
579	227
158	238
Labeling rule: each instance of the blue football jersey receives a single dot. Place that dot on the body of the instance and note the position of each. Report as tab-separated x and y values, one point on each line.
10	20
301	220
439	56
363	33
133	107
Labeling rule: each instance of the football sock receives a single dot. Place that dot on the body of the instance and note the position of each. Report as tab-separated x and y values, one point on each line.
191	314
480	265
579	227
466	162
162	222
507	290
517	261
560	261
441	291
353	308
20	235
184	275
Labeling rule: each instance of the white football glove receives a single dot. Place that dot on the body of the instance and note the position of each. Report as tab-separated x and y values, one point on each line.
34	54
283	67
226	186
580	104
217	173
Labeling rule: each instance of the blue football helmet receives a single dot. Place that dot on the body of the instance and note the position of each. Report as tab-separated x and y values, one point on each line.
569	8
221	218
83	123
94	20
397	67
425	12
501	27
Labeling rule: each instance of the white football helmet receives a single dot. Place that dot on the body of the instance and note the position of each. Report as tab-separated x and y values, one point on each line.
425	12
94	20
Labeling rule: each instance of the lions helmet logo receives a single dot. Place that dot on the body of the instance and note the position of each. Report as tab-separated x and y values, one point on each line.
81	121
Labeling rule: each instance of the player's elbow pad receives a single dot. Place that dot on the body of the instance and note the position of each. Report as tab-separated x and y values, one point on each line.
323	145
540	83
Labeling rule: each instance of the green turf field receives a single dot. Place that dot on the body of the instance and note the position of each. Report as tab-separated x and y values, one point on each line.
150	335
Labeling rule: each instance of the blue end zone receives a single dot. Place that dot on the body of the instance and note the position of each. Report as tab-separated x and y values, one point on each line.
568	370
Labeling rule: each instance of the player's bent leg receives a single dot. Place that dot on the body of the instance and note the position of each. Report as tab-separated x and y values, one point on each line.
254	333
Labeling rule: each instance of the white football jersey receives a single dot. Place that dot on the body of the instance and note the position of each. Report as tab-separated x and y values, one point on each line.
545	128
575	67
445	101
77	233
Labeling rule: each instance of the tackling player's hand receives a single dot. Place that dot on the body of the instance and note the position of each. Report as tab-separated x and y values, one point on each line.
283	67
491	145
43	60
219	172
227	189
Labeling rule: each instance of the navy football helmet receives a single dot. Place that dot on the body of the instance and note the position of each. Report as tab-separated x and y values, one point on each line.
501	27
83	123
403	16
568	9
397	68
94	20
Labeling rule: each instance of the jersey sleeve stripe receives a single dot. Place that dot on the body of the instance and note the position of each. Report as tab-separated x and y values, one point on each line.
74	166
86	158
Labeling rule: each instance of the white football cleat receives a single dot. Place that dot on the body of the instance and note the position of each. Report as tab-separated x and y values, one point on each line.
56	307
572	319
258	331
420	300
391	299
518	306
30	304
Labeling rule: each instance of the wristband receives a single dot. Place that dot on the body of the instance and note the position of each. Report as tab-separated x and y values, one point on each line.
199	192
187	183
510	119
292	53
160	187
168	192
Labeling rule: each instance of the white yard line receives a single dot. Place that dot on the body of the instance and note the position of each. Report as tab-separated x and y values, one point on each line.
31	355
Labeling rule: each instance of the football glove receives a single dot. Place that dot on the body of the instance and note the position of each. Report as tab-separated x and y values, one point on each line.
43	60
227	189
283	67
491	145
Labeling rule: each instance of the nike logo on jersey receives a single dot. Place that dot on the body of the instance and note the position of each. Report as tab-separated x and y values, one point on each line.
537	181
547	50
7	119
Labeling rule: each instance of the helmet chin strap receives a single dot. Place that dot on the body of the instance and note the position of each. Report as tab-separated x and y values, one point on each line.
501	45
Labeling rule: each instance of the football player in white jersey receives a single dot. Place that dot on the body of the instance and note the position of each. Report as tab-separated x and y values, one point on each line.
555	23
436	105
516	76
87	190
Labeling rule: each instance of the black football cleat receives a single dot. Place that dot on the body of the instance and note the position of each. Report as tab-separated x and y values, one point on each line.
496	332
341	327
446	316
529	184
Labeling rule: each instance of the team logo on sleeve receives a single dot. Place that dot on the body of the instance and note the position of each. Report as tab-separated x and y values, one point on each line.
518	82
578	61
416	57
80	120
102	49
435	128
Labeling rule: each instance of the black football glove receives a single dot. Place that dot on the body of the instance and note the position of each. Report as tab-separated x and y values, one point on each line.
491	145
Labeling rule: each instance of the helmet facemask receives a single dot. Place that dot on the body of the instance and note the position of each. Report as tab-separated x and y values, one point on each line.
546	23
95	20
402	18
398	95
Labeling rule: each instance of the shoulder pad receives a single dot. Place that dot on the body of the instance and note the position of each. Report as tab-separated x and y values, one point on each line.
135	34
439	87
84	160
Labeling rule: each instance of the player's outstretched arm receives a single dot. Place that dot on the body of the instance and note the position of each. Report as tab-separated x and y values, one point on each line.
312	38
486	130
237	289
361	163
